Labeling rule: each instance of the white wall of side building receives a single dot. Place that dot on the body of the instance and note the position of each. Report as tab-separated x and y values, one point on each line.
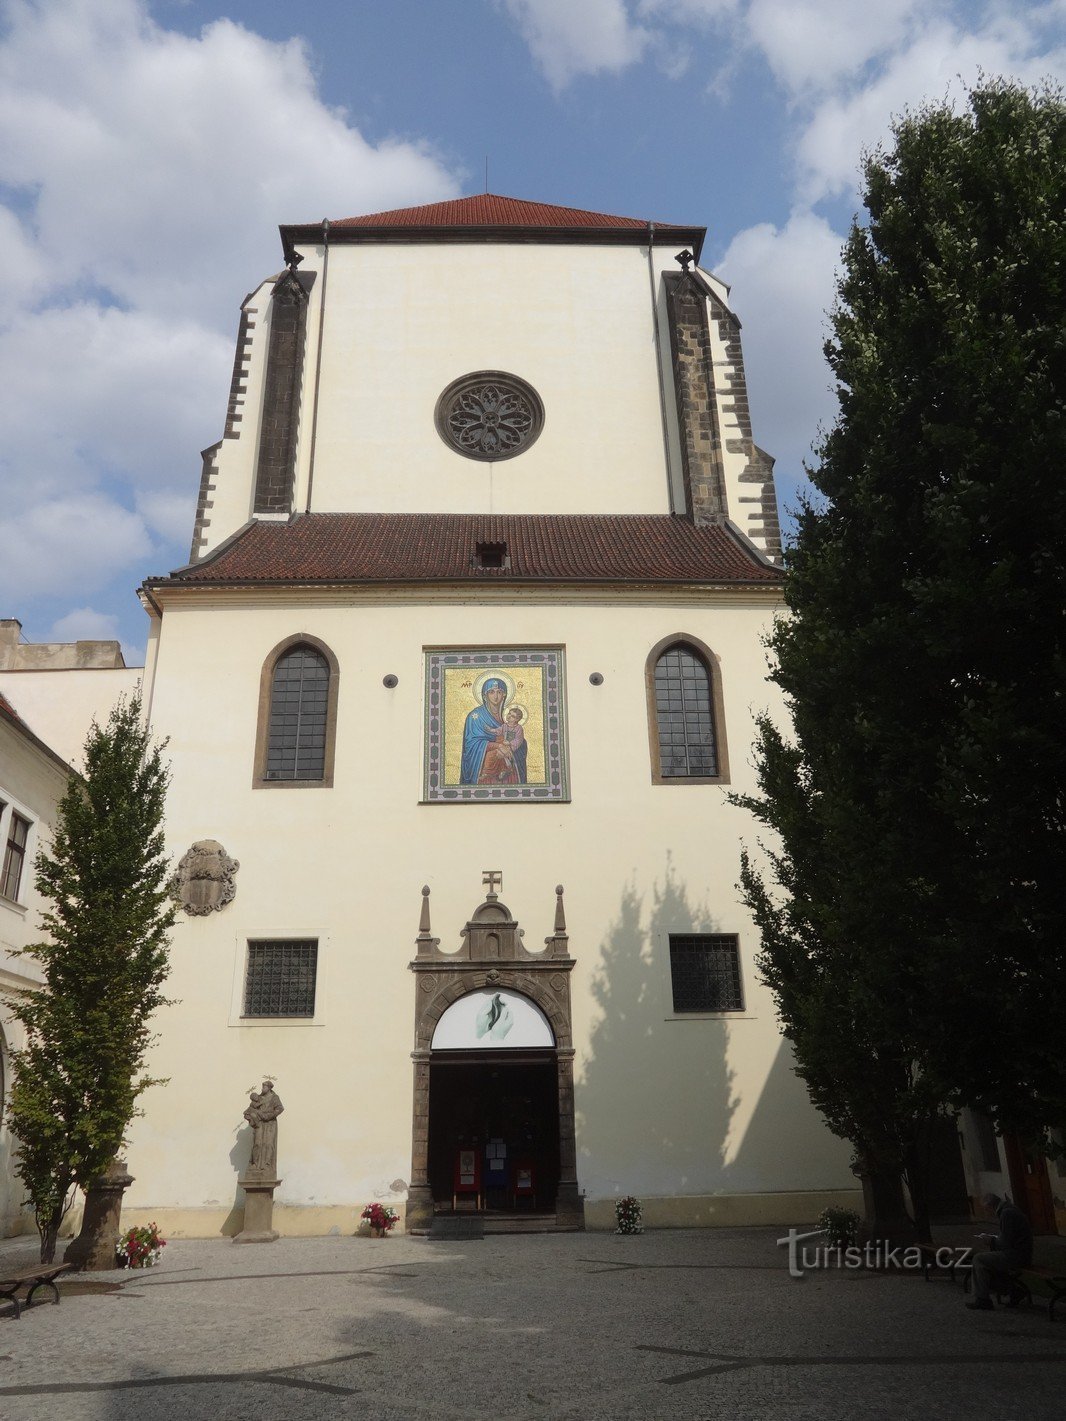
60	706
32	782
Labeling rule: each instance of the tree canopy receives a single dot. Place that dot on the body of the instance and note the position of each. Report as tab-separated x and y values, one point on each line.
77	1080
912	919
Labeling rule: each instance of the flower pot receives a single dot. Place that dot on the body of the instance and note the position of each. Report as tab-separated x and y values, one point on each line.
377	1233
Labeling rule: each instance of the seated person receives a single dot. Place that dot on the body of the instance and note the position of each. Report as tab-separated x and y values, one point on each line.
1010	1249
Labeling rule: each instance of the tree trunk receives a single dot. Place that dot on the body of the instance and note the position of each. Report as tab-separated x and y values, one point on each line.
49	1230
94	1248
886	1218
918	1163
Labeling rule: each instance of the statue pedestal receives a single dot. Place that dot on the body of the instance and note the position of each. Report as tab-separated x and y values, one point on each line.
94	1248
258	1210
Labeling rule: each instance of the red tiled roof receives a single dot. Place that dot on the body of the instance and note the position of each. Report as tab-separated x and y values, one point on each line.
487	209
442	547
487	217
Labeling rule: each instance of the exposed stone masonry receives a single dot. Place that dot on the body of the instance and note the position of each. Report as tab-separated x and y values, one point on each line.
699	384
697	412
238	385
276	469
204	502
759	518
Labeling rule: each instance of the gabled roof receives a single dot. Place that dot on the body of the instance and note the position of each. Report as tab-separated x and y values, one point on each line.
489	217
442	547
488	209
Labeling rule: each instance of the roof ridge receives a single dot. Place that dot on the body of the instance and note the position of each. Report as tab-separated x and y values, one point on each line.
497	209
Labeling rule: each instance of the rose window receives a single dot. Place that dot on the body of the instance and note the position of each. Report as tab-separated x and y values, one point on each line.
490	415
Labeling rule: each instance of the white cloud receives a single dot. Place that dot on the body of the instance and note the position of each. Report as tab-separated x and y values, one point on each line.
943	61
69	546
93	392
814	44
164	163
783	283
568	38
85	624
148	171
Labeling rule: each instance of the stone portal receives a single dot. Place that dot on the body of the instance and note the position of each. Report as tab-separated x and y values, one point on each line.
494	1066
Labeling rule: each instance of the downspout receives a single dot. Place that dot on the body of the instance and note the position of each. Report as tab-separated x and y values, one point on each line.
659	365
318	361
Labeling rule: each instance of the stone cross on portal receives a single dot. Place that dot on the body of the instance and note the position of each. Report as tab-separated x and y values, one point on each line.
493	879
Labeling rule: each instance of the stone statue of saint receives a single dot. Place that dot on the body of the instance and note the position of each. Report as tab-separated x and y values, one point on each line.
262	1114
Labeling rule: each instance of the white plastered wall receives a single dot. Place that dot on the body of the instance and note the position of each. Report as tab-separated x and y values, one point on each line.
673	1109
233	492
59	706
31	784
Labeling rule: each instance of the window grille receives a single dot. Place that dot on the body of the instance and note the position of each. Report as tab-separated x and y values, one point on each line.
299	701
280	980
705	972
684	716
14	857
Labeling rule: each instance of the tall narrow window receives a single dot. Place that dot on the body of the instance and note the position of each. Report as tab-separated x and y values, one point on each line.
299	701
685	740
297	730
14	857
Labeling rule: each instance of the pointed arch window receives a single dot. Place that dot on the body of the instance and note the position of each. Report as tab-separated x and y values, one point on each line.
297	715
685	714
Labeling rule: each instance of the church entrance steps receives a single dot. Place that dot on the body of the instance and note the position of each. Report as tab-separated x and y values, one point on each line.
470	1224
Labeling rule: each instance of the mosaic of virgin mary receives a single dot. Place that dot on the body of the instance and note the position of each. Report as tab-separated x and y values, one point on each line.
494	743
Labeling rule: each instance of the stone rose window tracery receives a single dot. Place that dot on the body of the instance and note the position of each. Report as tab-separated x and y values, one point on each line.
489	415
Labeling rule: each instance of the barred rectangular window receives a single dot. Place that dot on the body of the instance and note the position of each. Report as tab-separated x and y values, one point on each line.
14	856
705	972
280	978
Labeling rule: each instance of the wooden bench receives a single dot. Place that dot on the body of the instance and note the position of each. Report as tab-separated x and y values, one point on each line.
1046	1281
957	1267
1019	1284
37	1275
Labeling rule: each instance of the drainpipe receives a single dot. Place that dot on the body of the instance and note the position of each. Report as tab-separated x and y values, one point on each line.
318	361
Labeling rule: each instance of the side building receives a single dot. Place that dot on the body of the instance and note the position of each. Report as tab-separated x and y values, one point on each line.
49	694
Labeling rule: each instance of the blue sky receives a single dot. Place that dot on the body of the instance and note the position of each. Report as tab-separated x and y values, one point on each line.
150	148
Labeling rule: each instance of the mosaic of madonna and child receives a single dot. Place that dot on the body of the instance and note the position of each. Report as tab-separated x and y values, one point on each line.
494	725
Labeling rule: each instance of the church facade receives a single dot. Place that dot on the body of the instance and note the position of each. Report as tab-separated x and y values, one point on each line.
457	683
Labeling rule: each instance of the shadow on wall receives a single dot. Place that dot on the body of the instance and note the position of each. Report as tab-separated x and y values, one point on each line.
239	1157
660	1110
655	1098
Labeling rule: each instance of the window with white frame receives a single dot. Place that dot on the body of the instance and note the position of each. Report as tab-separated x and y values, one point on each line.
280	977
15	835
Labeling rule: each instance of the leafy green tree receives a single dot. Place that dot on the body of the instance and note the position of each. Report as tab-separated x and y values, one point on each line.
913	916
77	1080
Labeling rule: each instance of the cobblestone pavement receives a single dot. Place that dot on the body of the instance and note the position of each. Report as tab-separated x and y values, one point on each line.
700	1324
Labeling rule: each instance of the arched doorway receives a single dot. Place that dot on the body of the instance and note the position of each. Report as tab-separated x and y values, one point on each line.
493	1108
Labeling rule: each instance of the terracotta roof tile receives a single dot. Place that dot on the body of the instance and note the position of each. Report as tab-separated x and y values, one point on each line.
441	547
487	209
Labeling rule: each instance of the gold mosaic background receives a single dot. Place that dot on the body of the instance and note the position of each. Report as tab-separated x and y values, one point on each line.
462	694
